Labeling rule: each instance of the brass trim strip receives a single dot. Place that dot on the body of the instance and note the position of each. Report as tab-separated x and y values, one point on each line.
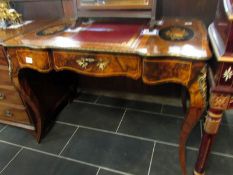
196	173
215	116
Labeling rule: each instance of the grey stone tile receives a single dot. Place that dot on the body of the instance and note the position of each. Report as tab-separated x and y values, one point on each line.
166	161
105	172
173	110
110	150
54	141
87	97
139	105
228	118
1	126
224	140
7	152
219	165
29	162
95	116
156	126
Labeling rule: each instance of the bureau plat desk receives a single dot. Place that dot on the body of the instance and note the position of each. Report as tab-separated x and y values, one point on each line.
175	52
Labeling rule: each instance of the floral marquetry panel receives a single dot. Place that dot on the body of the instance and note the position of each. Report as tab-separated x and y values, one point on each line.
160	71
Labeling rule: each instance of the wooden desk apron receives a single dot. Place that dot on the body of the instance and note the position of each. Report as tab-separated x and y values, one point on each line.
175	52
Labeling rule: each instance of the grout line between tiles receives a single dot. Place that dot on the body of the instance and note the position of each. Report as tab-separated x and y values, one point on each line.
122	118
152	155
13	158
98	171
221	154
105	168
132	109
3	128
161	111
68	141
97	99
65	158
126	135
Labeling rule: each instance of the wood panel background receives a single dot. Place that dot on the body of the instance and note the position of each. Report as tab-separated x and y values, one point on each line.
43	9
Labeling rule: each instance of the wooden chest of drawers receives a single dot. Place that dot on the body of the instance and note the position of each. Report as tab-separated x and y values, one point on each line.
12	110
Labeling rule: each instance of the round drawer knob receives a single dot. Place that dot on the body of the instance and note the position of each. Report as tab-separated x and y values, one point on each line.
8	113
2	96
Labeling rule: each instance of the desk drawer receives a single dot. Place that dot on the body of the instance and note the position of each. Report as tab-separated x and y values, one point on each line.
165	70
4	76
3	60
18	115
99	65
35	59
10	96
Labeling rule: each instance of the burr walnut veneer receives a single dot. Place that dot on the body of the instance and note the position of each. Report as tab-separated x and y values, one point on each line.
176	51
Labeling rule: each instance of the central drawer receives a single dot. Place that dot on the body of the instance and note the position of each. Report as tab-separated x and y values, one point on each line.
98	64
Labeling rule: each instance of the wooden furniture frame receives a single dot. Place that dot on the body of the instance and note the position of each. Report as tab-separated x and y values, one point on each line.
220	78
49	50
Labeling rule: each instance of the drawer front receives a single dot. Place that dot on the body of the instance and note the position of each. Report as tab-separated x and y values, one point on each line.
99	65
161	71
34	59
4	76
3	60
10	96
13	114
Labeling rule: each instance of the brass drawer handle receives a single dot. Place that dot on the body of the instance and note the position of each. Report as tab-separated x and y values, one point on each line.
8	113
84	62
102	64
2	96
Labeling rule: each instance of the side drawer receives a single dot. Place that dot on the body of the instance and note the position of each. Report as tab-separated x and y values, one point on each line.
12	114
166	70
4	76
35	59
98	64
10	96
3	60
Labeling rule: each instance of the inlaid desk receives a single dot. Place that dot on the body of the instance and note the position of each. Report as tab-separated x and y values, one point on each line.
176	51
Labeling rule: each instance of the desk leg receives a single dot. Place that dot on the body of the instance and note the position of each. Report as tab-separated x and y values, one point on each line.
211	126
197	106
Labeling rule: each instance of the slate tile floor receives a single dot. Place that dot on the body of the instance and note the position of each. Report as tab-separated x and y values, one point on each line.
99	135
